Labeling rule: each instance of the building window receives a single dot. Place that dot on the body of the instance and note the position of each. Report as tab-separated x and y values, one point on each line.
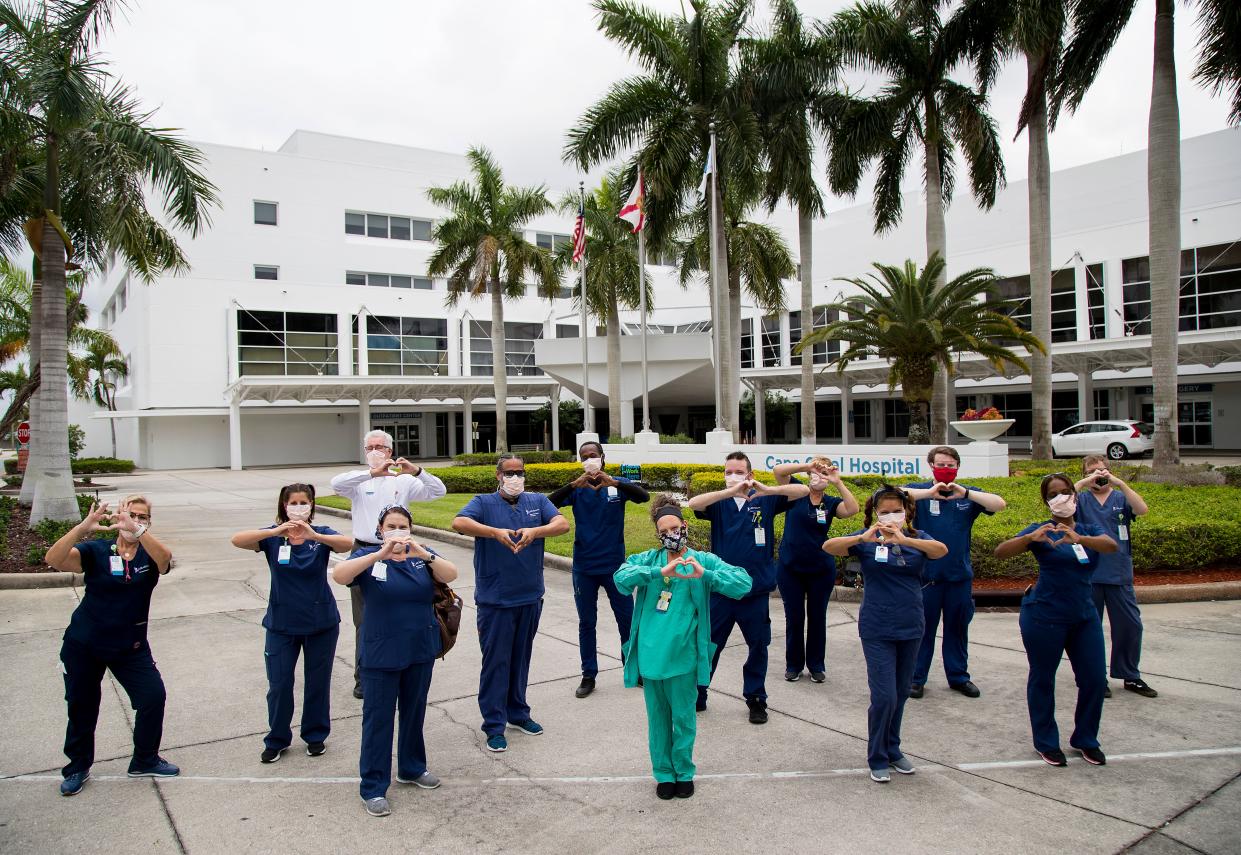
404	346
1102	404
822	350
895	418
264	271
353	278
355	224
389	280
423	283
420	229
519	339
551	242
566	330
265	213
1017	406
1211	292
965	402
1064	411
1096	299
827	421
1014	291
747	342
286	343
861	419
1135	277
376	226
771	341
388	226
398	228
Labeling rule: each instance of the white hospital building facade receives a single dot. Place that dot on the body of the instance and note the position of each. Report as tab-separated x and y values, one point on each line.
307	317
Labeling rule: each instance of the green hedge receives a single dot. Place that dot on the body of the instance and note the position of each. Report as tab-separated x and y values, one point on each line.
489	458
84	466
545	477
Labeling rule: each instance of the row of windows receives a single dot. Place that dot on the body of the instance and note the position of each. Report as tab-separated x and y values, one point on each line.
389	280
386	226
1210	289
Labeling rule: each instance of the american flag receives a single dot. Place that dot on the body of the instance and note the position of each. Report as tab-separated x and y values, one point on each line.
579	233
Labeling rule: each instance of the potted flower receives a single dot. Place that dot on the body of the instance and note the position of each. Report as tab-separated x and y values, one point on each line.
982	425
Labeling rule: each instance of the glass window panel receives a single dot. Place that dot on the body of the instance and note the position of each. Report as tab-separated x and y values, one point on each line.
398	228
420	229
263	271
265	213
310	322
560	241
377	280
247	320
422	283
771	341
1220	257
376	225
1096	298
566	330
543	241
1135	270
399	281
352	278
355	224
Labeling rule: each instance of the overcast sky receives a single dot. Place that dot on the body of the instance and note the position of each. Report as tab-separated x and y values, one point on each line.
509	74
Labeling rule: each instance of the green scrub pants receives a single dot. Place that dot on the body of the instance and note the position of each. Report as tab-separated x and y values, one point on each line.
672	724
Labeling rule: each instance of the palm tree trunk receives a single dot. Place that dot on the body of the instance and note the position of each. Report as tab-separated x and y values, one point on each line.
1163	177
936	242
499	368
26	497
112	423
1039	202
614	370
809	433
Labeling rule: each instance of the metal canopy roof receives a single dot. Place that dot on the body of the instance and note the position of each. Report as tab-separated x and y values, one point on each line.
429	388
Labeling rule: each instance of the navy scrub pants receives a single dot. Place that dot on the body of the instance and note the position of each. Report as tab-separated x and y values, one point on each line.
136	672
506	636
383	693
752	616
586	598
1126	624
1045	642
805	595
889	665
955	601
280	656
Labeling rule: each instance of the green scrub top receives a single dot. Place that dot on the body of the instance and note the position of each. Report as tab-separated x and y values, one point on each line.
668	643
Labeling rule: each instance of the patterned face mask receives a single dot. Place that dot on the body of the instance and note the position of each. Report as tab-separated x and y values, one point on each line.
674	541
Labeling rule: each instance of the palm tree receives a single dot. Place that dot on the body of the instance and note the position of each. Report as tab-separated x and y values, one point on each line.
611	273
97	157
920	108
1096	26
481	248
689	79
93	375
906	316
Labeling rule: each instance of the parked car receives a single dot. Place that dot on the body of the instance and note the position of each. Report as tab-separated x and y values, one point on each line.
1115	438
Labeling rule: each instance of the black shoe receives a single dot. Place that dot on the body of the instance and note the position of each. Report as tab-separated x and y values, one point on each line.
915	691
1054	757
817	676
314	749
1093	756
587	686
1107	691
357	692
792	676
665	790
967	688
685	789
758	712
1141	688
701	705
270	755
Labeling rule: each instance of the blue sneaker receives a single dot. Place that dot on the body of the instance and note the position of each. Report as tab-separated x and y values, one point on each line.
529	727
497	743
73	784
160	769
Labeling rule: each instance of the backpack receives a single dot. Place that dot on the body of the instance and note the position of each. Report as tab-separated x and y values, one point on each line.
447	607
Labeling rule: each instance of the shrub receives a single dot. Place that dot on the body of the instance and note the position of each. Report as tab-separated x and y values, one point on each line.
10	466
619	440
1232	475
489	458
77	441
1073	466
1184	475
677	439
34	554
13	480
101	466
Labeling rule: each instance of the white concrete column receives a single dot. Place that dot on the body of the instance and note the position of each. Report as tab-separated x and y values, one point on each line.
363	368
234	345
364	424
846	415
454	347
1113	299
626	414
344	344
1085	396
234	434
554	405
467	432
1081	298
786	344
760	415
452	433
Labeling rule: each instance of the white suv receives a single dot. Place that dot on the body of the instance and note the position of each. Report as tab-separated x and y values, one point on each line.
1117	439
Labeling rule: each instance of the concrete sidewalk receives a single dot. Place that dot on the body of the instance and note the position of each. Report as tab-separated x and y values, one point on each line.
795	784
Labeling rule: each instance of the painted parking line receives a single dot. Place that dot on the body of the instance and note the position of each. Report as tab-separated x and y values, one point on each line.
1187	754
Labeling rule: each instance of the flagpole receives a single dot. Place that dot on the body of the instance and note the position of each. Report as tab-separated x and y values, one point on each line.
646	403
587	416
716	307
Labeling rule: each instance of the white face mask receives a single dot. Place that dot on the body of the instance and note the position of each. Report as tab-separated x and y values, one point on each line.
732	479
1063	505
374	458
396	533
817	481
513	486
592	465
129	536
892	518
298	511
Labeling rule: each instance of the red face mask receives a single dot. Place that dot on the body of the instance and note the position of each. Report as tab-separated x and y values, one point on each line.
944	474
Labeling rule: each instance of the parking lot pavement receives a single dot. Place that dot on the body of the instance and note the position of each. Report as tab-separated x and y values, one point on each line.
795	784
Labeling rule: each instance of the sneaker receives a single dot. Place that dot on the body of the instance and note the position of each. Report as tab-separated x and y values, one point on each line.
73	784
1093	756
685	789
817	676
530	727
497	743
1107	691
426	780
314	749
377	806
1141	688
880	776
915	691
792	676
1054	757
665	790
902	765
587	686
160	769
758	711
270	755
968	689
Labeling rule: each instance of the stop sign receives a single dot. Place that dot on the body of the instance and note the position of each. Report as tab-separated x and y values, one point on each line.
23	433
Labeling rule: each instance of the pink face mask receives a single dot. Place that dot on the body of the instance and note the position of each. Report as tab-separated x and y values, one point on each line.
1062	505
374	458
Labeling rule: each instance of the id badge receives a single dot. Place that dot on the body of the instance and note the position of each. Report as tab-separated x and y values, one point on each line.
881	554
934	504
760	537
612	494
116	565
379	572
665	597
820	515
283	555
1080	552
1122	531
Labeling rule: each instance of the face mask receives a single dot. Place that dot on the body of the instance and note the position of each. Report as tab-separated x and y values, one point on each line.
592	465
374	458
131	537
817	481
892	518
396	533
1063	505
944	474
674	541
297	512
732	479
513	486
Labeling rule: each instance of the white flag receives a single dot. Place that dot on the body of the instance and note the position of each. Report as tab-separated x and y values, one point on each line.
707	169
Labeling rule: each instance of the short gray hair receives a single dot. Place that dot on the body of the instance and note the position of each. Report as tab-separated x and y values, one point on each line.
507	456
387	437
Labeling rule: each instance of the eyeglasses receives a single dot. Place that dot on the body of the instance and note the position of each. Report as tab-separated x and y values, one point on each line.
377	448
146	518
513	473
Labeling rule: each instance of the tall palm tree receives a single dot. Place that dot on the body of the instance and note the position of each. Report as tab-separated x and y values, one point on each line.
906	316
97	156
1096	24
920	109
94	374
611	272
481	248
690	78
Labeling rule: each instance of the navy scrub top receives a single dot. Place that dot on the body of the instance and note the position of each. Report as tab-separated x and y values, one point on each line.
801	548
1114	568
1062	593
732	536
400	627
112	617
892	596
301	600
501	578
599	529
953	527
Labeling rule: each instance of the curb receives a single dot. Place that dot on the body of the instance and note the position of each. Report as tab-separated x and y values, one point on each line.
31	581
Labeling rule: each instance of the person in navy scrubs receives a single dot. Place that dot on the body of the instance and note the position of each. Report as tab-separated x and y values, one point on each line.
1058	616
508	527
108	632
892	554
301	618
1111	504
598	501
400	641
946	511
743	533
806	573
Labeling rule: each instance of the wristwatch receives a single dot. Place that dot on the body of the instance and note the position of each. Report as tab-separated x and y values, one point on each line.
967	493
